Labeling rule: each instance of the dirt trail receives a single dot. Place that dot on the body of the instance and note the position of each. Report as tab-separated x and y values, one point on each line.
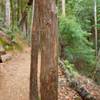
14	77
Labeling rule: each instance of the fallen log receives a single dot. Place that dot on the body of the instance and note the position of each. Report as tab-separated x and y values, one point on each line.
75	84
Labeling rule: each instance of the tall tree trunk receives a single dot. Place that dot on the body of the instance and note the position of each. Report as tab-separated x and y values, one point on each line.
12	14
96	75
0	6
18	10
48	30
7	13
33	2
95	27
63	8
44	43
34	60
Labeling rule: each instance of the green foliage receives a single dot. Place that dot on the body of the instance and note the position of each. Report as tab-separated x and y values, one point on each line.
83	11
18	43
70	67
6	45
77	45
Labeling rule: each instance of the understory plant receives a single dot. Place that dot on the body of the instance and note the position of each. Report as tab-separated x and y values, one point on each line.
76	45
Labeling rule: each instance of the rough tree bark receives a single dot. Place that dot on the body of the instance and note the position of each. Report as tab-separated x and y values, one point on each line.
44	40
48	23
34	59
95	27
63	8
7	13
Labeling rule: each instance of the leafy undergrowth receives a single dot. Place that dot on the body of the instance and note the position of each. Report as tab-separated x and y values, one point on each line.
17	43
20	42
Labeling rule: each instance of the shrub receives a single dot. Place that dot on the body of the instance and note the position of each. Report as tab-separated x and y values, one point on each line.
75	41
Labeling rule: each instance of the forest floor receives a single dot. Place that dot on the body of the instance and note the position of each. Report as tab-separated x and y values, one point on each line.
14	80
14	77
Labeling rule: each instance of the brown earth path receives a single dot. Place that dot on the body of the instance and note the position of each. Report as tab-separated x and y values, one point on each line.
14	77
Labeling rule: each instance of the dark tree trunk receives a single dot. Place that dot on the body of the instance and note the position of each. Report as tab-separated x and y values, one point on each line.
49	50
34	64
44	38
